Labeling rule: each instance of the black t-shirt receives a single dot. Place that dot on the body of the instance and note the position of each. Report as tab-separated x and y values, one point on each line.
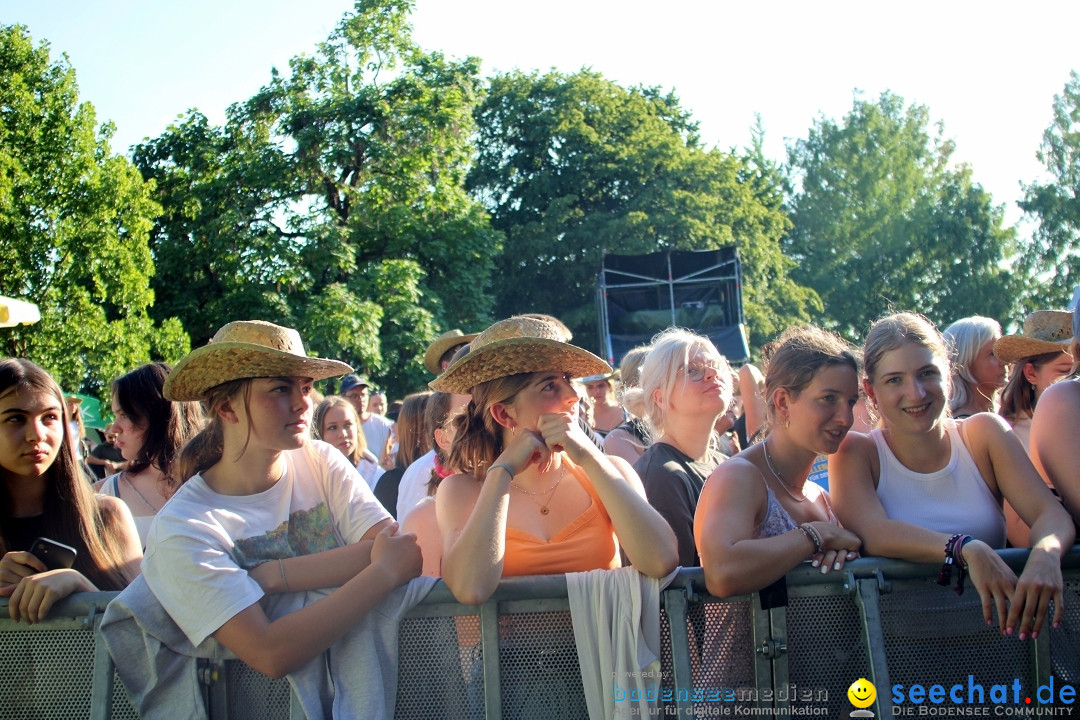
20	533
673	482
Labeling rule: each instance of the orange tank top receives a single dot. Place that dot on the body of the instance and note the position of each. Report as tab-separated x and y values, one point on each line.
587	543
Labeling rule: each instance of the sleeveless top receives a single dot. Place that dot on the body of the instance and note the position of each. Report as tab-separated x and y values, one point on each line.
111	486
587	543
778	521
954	499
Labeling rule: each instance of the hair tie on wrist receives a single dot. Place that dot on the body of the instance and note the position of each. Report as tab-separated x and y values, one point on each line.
509	470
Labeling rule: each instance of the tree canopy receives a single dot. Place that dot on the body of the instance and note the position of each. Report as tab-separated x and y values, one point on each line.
1053	255
571	166
74	227
883	219
332	200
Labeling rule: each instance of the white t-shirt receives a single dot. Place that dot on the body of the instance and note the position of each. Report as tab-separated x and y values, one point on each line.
376	431
413	486
203	543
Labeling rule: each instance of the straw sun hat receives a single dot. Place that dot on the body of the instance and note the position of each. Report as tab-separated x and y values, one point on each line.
246	349
438	348
513	346
1045	331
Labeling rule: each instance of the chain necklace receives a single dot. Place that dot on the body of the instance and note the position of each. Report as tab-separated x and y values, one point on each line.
544	510
778	476
142	497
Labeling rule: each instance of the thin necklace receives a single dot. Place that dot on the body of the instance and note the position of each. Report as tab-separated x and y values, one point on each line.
131	485
544	510
778	476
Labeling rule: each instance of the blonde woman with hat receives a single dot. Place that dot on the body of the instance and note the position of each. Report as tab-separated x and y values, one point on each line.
259	495
532	494
1054	448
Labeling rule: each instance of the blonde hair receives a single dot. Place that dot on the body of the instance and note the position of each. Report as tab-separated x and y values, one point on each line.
963	339
669	352
317	419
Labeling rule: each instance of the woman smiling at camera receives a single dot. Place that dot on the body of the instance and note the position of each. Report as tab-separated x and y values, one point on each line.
533	494
926	488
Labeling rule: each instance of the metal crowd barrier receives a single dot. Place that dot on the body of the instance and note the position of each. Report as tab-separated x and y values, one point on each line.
796	646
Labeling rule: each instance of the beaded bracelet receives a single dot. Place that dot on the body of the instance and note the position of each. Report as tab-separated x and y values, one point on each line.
814	536
953	556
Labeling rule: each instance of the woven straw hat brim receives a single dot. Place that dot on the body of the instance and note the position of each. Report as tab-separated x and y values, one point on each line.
439	347
513	356
1013	348
211	365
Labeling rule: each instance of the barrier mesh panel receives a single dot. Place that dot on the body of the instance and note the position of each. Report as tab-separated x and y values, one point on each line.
931	633
440	669
721	639
1065	640
826	651
253	695
46	674
538	667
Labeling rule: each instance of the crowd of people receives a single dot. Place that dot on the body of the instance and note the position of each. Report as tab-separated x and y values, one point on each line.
231	478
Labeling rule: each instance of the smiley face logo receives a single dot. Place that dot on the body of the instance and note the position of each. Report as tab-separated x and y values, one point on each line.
862	693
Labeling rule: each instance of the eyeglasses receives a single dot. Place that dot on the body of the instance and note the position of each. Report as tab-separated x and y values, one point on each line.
696	372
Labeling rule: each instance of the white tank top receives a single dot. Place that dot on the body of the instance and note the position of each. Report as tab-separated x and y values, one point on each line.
955	499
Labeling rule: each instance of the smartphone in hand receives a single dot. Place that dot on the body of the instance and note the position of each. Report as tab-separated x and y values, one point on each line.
54	555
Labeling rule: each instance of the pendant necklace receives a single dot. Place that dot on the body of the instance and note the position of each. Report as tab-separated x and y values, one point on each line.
778	476
544	510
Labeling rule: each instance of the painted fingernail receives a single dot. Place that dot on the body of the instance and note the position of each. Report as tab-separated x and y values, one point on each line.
1008	631
824	569
836	566
1057	625
1023	636
816	563
1035	635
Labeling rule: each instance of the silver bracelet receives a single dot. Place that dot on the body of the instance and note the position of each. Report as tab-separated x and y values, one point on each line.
284	580
815	537
509	470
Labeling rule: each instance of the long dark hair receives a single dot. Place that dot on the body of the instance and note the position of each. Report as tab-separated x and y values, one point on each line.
166	425
71	513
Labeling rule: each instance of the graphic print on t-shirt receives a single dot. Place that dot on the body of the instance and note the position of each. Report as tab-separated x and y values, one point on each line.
305	532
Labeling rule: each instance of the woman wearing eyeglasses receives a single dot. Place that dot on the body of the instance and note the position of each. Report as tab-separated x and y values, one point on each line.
685	387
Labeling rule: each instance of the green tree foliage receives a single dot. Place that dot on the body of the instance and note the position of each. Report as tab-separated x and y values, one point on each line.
333	201
74	226
1053	255
571	166
883	220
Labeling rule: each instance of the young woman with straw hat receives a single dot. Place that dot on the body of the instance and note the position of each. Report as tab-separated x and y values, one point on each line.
1054	449
532	494
1039	358
260	494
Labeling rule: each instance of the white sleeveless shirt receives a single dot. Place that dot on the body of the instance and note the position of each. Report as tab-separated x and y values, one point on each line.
954	499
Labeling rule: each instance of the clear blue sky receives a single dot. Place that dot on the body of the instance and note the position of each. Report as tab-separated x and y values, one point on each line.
988	70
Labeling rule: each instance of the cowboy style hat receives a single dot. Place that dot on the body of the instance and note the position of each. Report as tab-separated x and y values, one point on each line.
1045	331
246	349
446	341
517	345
